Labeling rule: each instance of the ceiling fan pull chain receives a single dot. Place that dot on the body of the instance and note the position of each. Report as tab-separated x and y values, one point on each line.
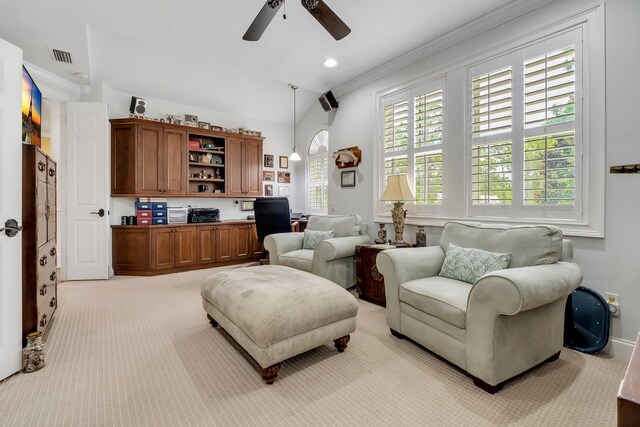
284	13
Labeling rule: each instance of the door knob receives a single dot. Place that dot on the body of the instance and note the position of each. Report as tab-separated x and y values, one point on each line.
100	213
11	228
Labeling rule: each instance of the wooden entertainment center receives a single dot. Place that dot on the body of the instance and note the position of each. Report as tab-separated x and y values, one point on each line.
153	159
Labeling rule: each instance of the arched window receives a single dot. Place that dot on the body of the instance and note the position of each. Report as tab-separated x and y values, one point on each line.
318	173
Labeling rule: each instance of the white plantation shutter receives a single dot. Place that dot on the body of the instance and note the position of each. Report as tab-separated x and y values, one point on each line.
318	173
491	137
413	139
428	134
549	121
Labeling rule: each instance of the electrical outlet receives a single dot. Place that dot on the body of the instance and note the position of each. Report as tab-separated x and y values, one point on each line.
614	303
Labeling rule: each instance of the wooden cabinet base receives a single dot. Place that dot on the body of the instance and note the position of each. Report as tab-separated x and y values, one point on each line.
165	249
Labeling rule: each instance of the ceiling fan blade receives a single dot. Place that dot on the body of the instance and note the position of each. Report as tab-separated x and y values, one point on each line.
261	22
328	19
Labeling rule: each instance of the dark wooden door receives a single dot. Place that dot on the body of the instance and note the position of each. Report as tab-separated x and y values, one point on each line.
234	166
252	168
175	162
184	241
162	248
225	243
206	244
150	160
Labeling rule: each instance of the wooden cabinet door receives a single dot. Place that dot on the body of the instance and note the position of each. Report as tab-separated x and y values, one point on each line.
150	160
130	248
162	248
206	244
175	162
234	167
184	241
242	235
252	168
51	212
225	243
123	159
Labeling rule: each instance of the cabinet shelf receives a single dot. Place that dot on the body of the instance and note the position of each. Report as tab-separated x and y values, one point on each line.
204	150
206	180
206	164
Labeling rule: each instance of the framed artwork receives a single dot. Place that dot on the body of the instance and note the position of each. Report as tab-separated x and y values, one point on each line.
284	162
268	190
285	177
283	191
348	179
268	176
268	160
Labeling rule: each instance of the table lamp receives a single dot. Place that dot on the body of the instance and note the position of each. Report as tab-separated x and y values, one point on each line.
398	191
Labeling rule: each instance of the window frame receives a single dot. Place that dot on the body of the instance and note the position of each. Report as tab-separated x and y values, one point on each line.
456	154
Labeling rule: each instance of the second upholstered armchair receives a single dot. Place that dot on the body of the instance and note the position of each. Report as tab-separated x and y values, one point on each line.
326	248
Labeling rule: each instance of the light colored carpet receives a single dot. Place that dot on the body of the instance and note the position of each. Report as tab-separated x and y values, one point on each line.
139	351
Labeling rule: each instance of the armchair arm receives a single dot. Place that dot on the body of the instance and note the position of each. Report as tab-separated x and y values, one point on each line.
518	289
401	265
279	243
339	247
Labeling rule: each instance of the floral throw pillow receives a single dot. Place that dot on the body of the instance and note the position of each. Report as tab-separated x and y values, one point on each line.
469	264
312	238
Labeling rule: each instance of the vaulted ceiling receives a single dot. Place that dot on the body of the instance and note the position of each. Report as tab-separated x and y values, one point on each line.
192	52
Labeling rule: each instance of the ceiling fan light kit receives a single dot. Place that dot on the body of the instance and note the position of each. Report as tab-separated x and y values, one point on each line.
317	8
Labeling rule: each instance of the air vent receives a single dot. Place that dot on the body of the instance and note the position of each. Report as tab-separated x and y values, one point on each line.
61	56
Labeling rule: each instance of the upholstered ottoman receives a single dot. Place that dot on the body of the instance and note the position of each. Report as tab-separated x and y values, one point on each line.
275	312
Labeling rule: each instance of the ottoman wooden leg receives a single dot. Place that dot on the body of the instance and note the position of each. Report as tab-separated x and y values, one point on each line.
341	343
270	373
213	322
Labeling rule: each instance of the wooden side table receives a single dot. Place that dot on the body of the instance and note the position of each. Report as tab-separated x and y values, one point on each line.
369	281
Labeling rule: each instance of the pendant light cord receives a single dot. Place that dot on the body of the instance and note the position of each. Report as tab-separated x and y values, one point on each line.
294	156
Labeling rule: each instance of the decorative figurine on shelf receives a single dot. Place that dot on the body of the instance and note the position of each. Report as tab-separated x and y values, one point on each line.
421	237
218	174
210	176
382	233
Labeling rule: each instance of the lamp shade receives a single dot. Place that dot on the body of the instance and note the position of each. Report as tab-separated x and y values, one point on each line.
398	189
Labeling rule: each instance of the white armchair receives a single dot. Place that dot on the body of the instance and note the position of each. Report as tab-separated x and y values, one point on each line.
332	258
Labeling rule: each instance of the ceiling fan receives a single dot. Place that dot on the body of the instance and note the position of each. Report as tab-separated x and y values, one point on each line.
319	9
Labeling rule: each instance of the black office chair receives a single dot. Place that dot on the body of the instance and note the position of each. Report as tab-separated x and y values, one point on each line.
272	216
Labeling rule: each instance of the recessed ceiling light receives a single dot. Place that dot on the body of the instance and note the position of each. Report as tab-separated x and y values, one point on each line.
330	63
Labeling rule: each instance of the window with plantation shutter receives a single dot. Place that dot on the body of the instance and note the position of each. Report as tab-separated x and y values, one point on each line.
511	134
413	134
318	174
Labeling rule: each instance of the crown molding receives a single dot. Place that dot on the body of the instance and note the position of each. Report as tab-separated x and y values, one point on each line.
472	29
55	87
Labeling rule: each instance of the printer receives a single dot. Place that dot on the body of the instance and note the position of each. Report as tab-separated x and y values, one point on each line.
199	215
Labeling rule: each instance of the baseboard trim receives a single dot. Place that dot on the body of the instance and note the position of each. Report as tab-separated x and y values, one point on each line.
619	348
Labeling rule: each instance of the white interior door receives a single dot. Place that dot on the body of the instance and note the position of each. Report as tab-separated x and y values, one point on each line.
10	208
87	170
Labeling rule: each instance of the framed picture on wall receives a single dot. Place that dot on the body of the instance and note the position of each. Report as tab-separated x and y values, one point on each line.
284	177
283	191
348	178
268	160
268	175
284	162
268	190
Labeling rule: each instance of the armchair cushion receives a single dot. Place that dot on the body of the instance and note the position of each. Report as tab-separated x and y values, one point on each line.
441	297
469	264
312	238
301	259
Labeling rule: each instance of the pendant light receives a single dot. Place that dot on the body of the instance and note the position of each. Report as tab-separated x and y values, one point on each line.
294	156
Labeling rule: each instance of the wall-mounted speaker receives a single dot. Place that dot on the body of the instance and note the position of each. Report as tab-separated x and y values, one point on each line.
328	101
138	105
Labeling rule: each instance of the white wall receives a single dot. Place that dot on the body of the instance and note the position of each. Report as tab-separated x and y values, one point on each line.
609	264
278	141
